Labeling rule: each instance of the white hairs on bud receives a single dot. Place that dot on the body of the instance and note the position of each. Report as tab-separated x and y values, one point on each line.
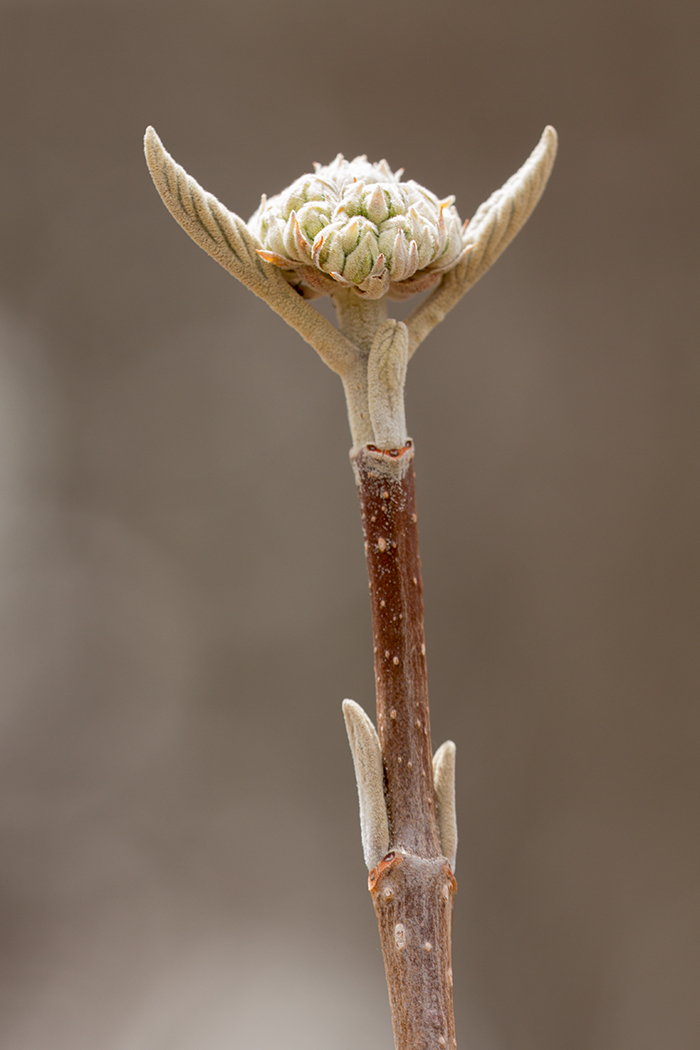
444	783
369	773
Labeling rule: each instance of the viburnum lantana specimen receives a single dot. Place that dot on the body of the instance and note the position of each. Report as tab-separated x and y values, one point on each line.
356	232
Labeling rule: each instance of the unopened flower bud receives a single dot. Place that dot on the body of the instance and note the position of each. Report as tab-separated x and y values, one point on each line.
355	224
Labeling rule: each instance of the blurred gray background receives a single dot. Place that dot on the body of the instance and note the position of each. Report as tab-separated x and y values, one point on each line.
182	583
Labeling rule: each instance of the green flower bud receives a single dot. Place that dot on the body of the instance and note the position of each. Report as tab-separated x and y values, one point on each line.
355	224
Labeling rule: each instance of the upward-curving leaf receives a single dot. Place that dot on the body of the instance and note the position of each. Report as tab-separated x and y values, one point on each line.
225	237
496	222
220	232
493	226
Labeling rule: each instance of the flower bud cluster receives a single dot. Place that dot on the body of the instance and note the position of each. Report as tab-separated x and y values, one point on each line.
355	224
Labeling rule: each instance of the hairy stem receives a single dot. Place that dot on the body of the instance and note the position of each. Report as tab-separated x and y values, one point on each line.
359	319
412	887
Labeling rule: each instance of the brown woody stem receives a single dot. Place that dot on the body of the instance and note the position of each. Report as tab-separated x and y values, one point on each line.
413	887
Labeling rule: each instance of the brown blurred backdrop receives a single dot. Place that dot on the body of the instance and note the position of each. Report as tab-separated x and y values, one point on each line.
182	584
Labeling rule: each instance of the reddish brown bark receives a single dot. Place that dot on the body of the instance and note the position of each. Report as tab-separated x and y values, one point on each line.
413	887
